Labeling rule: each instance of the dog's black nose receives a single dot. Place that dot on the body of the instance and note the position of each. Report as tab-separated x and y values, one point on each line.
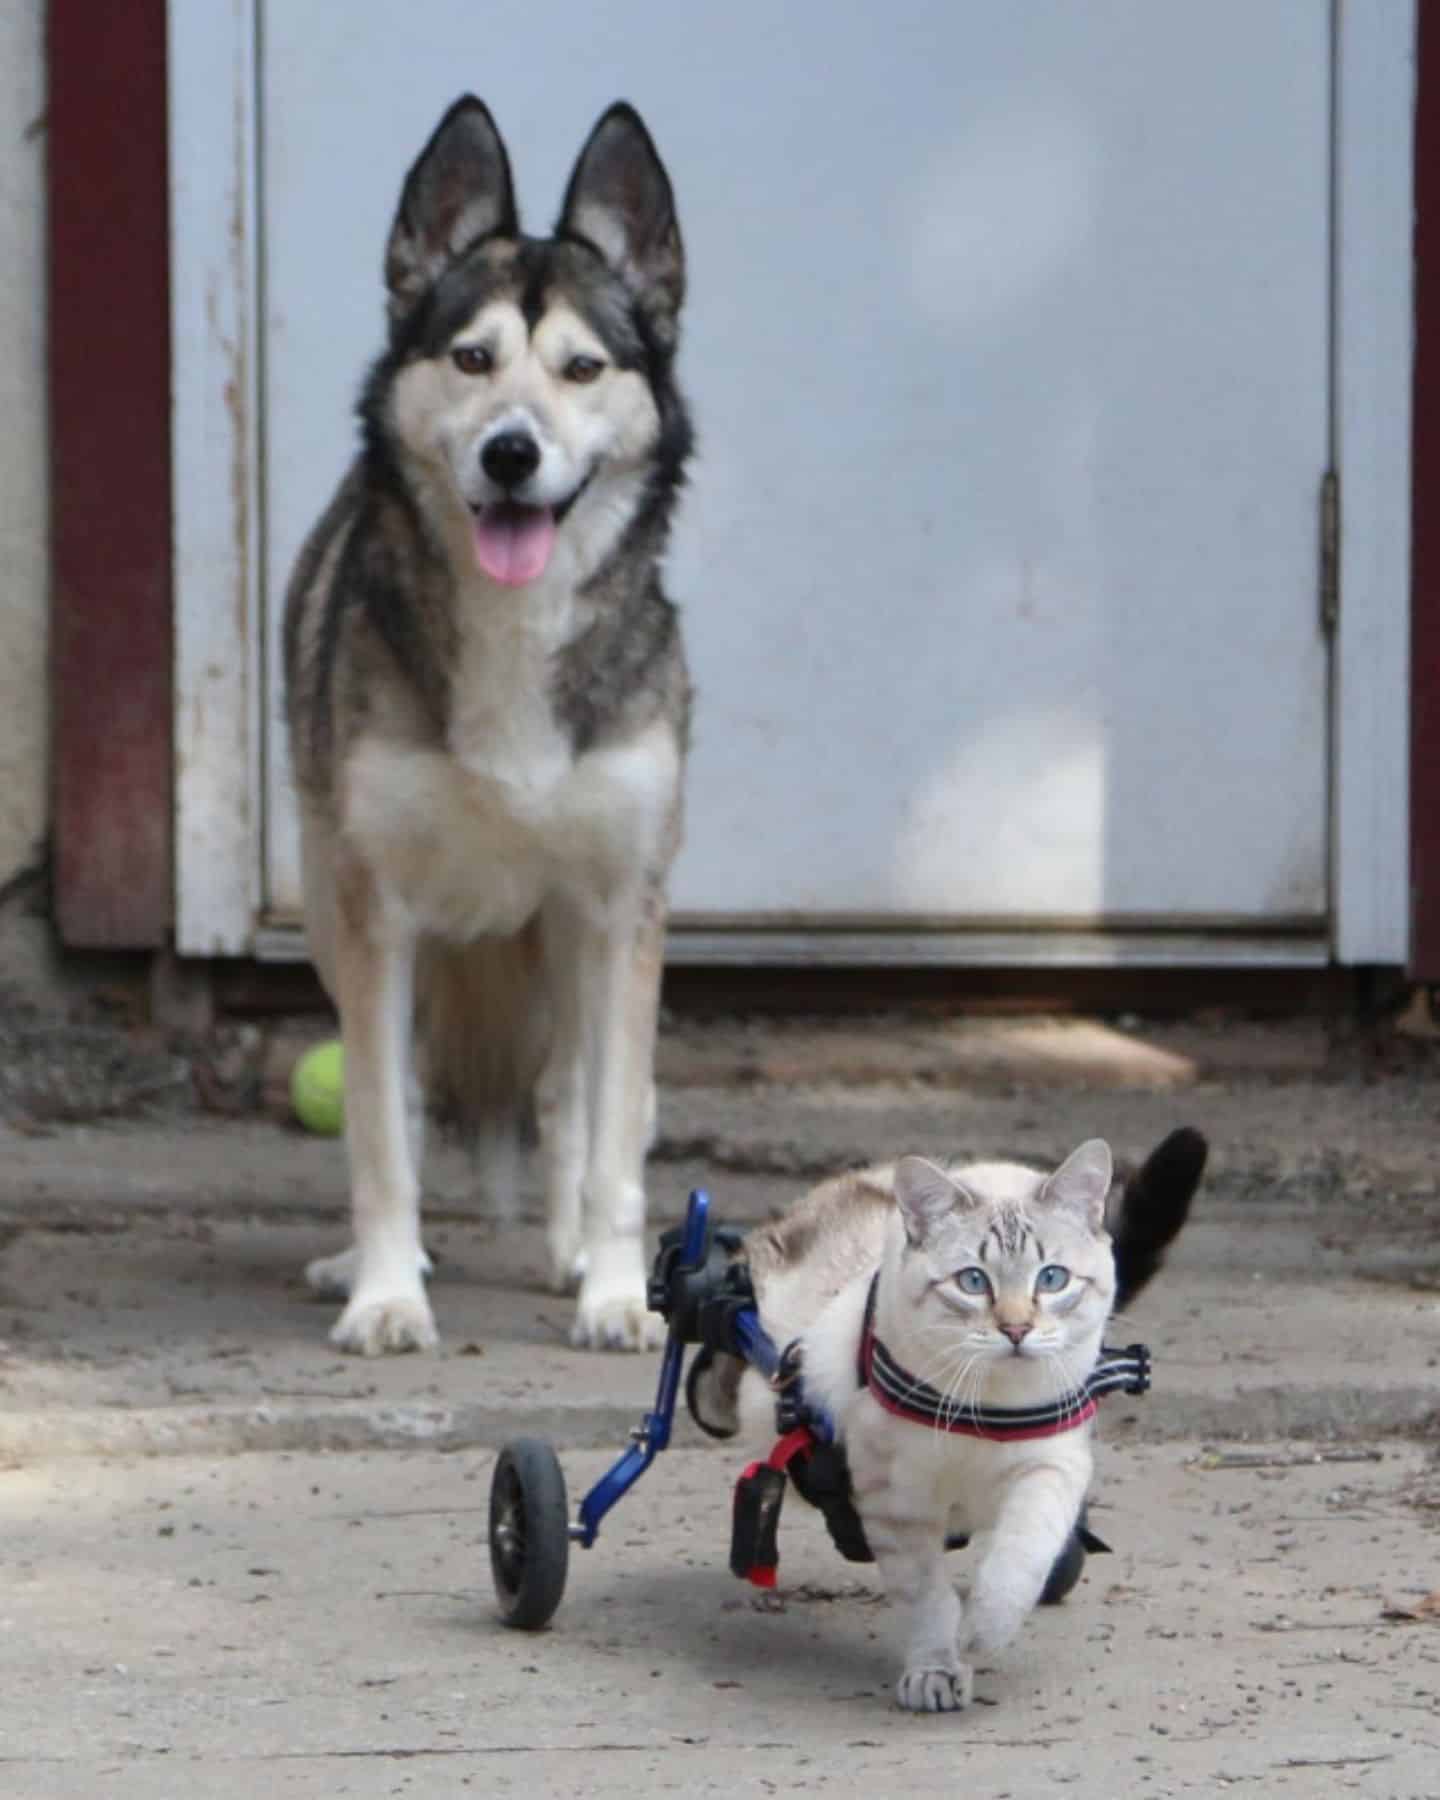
510	457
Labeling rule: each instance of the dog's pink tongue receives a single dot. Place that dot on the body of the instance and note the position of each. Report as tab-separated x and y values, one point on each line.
513	543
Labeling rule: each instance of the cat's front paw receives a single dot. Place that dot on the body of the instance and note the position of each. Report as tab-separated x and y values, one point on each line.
936	1690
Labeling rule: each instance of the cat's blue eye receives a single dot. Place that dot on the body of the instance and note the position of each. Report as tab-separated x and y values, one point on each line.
973	1281
1051	1279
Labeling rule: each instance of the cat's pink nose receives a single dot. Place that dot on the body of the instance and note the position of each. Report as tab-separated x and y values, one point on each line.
1016	1333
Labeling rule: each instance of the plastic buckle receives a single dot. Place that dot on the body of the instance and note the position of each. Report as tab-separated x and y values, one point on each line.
682	1292
790	1410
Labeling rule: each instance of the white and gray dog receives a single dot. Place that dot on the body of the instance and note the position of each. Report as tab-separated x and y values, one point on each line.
488	708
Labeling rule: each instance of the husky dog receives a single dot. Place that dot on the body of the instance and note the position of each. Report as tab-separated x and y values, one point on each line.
488	711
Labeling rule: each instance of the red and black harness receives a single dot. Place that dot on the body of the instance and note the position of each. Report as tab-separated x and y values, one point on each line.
809	1456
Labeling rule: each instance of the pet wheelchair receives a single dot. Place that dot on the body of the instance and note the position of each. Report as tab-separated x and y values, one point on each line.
705	1296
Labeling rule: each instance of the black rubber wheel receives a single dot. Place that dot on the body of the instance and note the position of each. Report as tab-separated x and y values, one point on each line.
529	1533
1065	1571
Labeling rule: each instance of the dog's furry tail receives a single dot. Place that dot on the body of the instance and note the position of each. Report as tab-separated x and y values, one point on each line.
483	1031
1154	1207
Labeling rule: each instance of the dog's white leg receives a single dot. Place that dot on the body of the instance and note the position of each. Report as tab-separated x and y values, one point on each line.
334	1276
561	1100
387	1309
619	991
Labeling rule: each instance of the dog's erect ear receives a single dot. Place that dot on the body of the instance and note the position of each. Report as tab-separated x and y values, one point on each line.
457	191
619	200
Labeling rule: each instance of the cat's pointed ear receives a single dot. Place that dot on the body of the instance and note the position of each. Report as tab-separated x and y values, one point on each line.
1082	1182
925	1195
620	201
457	192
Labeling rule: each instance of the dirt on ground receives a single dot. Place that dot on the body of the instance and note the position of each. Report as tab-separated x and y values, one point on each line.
237	1559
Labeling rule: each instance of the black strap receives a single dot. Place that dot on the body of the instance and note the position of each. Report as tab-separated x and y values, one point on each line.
867	1333
823	1478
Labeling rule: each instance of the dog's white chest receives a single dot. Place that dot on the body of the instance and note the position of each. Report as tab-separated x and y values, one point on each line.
504	736
473	838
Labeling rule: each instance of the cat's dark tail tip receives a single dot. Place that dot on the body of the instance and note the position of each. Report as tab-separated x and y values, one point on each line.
1154	1208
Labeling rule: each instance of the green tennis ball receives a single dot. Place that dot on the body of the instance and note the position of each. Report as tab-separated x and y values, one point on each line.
317	1089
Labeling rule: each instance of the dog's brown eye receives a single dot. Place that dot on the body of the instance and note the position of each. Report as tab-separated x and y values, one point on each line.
583	368
472	359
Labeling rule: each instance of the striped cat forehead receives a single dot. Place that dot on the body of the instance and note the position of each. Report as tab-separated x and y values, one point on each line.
1005	1234
1005	1241
1008	1233
1001	1233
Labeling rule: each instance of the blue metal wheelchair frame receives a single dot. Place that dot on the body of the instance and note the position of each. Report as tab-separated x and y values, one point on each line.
652	1435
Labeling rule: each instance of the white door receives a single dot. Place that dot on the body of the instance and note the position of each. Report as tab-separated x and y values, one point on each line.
1008	345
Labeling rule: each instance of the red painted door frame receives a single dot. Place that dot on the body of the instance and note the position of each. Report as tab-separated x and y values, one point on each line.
109	384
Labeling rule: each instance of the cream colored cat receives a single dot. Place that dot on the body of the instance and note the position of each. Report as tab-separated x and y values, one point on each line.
986	1286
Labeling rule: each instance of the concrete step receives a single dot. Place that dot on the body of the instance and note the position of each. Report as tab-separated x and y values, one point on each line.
185	1330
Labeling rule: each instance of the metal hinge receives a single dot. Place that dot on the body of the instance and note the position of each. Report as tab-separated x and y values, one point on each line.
1329	551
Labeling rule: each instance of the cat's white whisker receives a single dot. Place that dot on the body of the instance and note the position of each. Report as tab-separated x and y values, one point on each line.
1071	1397
981	1369
934	1374
954	1402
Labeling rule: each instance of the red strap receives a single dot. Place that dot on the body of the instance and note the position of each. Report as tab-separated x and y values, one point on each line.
790	1446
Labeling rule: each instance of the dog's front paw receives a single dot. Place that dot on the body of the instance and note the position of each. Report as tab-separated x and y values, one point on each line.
334	1276
614	1316
935	1690
385	1327
617	1323
611	1313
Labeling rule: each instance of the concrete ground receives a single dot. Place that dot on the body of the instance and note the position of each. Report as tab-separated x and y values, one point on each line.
237	1561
